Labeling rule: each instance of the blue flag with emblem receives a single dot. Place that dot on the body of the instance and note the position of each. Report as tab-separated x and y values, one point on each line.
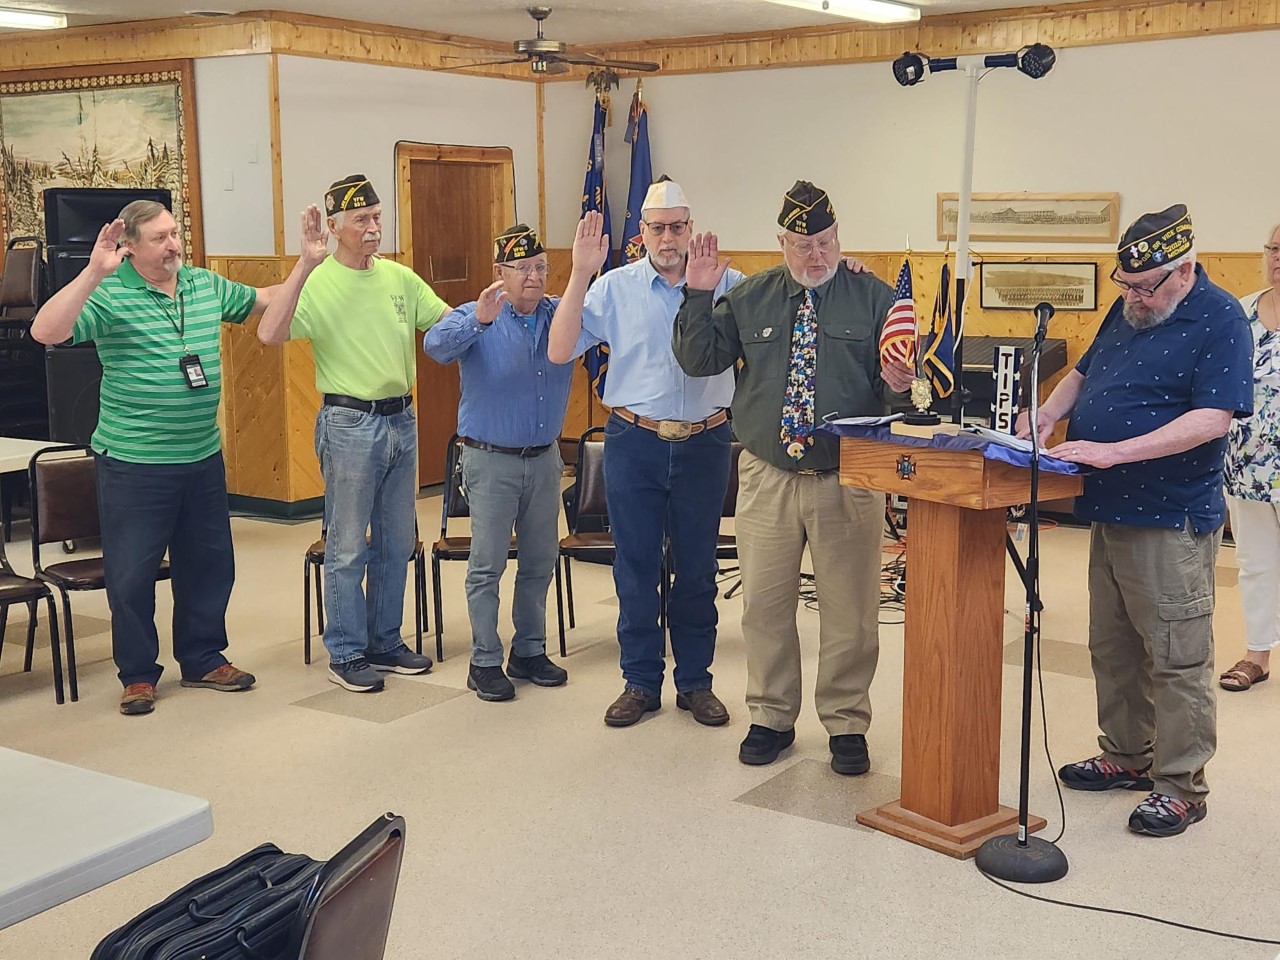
641	177
939	358
595	197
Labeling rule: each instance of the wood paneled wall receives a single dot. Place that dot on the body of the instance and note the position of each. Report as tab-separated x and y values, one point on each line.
262	32
269	400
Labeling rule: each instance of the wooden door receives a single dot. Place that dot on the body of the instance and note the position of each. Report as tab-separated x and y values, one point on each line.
454	202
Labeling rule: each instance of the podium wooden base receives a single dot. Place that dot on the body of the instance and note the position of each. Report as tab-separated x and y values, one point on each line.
961	841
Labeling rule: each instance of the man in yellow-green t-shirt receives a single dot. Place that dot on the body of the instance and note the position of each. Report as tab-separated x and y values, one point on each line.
361	314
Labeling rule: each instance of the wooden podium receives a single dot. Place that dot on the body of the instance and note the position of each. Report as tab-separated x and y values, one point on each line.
952	662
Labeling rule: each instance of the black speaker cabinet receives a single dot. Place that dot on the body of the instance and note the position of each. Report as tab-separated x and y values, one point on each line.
65	263
73	375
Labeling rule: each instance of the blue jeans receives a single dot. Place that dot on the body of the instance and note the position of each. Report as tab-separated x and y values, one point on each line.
505	493
144	510
370	472
660	489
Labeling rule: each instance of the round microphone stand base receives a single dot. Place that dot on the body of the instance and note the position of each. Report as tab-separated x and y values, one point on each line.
1036	861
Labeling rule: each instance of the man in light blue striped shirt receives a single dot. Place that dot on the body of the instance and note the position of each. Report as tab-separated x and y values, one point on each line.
509	418
667	453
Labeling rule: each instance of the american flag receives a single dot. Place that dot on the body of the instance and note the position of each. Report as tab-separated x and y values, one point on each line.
898	338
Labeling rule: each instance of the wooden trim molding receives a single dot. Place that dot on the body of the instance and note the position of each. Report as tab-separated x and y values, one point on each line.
987	31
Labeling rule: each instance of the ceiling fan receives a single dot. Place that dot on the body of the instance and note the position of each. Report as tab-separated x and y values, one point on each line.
551	57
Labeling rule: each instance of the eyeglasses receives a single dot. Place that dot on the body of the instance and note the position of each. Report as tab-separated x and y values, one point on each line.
806	247
676	229
1270	249
1140	291
524	269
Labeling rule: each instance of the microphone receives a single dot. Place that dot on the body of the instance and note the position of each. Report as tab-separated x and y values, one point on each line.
1044	312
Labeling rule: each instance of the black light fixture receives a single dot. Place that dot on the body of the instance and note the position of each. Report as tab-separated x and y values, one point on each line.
1035	61
910	68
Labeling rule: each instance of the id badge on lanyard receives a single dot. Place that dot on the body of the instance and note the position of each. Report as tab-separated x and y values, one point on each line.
189	363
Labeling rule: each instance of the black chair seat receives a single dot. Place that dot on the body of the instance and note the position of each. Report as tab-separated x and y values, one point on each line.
315	552
459	548
88	574
587	541
19	589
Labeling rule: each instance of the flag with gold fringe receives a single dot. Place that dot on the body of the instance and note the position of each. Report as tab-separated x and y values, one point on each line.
939	346
596	197
898	336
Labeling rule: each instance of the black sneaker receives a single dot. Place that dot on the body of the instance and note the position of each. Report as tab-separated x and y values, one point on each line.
356	676
1099	774
538	669
849	754
1164	816
762	744
490	683
403	661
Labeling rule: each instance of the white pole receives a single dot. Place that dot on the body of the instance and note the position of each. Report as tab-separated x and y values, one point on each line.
964	269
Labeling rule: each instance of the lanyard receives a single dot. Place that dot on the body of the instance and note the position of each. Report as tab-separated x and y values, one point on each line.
180	325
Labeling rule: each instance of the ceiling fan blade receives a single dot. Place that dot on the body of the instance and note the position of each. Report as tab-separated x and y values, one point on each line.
478	63
589	60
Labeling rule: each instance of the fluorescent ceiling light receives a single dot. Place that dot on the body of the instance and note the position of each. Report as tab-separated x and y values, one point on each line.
31	19
872	11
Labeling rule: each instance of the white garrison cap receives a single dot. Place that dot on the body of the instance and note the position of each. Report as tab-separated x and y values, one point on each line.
663	195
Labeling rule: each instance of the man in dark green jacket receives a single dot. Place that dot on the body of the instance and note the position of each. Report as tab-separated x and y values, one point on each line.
807	334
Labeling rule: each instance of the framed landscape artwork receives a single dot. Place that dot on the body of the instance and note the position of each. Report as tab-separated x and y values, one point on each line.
1020	286
1037	217
125	125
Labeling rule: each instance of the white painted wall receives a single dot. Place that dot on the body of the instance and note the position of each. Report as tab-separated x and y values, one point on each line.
233	125
1161	122
338	118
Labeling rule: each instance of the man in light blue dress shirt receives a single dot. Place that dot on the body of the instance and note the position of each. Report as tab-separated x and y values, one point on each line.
509	419
667	453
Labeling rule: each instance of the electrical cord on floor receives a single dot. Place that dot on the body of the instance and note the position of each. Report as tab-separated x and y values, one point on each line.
1062	808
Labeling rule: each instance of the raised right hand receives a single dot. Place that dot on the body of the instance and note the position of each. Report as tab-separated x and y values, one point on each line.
107	254
705	266
489	304
590	243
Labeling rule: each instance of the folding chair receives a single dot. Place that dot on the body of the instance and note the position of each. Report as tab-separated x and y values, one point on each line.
346	914
64	507
15	589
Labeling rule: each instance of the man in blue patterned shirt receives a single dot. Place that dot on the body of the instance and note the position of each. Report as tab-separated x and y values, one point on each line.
509	419
1150	403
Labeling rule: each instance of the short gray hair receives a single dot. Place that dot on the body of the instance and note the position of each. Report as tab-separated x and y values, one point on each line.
137	213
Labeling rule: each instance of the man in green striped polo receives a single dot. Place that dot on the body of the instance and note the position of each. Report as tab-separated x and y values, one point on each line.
161	481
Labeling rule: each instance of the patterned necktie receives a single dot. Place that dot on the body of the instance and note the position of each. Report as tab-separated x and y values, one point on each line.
797	402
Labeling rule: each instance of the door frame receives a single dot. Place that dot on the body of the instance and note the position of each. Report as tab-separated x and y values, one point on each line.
500	160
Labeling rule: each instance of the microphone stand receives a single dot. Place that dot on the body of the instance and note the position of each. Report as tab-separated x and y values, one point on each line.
1022	858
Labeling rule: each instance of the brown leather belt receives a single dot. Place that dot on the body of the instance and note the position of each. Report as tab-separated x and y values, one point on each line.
673	429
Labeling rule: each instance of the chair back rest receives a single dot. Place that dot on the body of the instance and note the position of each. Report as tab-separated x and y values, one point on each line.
731	491
347	912
21	283
589	481
455	501
64	496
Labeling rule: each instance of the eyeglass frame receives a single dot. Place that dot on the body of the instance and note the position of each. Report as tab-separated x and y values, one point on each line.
806	247
1141	291
524	269
1270	249
677	228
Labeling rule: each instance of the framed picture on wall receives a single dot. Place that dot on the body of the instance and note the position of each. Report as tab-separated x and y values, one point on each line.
1020	286
118	125
1038	217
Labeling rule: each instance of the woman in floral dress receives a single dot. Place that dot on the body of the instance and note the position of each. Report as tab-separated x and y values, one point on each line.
1253	483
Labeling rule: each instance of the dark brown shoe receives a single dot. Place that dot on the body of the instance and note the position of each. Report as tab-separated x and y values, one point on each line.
705	707
630	707
227	678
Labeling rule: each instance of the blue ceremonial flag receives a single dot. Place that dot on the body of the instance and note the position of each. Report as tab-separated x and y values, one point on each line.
641	177
940	345
595	197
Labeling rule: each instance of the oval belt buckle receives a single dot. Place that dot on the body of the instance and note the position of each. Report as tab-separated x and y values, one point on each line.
675	430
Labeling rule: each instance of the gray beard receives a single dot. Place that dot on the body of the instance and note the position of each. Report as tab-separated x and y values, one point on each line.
1148	321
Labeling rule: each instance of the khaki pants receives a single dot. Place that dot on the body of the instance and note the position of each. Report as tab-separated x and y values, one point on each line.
1151	638
778	513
